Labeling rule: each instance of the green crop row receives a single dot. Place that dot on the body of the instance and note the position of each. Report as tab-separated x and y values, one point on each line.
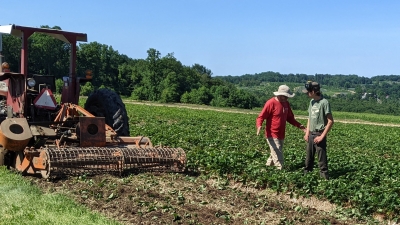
363	159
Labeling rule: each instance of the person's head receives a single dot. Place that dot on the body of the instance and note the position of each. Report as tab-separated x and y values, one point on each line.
283	93
4	67
312	89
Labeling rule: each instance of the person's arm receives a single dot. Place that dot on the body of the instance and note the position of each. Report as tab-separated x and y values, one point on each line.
328	125
293	121
258	130
328	114
262	116
307	133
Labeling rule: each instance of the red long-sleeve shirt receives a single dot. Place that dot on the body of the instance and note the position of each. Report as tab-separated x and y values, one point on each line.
276	114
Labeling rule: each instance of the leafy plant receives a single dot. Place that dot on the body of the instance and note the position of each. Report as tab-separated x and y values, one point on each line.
363	159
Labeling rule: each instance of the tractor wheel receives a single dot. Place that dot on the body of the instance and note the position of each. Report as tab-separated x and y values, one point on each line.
108	104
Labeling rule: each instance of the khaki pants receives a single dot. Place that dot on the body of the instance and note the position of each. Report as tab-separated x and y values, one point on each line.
276	157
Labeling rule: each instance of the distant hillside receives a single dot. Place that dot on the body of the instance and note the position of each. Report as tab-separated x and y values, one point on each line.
350	93
325	79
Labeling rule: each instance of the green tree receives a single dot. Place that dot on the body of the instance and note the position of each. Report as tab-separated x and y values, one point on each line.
242	99
125	82
104	62
48	55
169	95
185	98
59	85
220	95
204	74
11	51
201	96
161	78
153	76
86	89
219	101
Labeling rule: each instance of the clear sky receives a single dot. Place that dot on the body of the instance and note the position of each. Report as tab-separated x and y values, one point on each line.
234	37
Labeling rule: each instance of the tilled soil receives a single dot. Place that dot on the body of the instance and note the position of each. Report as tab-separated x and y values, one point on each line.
150	198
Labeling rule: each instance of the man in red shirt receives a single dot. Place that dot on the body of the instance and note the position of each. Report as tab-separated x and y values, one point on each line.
276	112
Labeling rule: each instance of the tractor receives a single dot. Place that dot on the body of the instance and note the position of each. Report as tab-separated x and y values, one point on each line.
39	136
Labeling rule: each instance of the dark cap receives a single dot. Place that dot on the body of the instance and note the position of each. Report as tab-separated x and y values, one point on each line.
311	86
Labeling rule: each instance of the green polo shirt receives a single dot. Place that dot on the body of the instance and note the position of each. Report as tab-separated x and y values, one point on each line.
318	111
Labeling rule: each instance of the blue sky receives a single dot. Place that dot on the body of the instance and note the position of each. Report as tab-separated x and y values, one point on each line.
234	37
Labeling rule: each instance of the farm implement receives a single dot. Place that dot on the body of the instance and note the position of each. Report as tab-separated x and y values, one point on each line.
39	136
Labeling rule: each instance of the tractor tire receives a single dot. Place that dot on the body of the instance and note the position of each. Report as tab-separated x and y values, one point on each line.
108	104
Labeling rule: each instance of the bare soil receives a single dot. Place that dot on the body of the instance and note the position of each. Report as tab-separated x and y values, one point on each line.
187	199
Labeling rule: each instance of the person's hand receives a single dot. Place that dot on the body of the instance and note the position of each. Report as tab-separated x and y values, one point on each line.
306	137
318	139
303	128
258	130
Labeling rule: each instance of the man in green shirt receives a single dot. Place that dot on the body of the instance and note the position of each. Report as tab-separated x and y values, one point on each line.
319	123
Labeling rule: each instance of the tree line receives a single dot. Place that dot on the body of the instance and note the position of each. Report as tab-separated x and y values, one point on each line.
166	79
155	78
326	79
378	94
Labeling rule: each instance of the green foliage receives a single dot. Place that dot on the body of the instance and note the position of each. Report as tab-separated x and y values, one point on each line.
219	101
250	80
139	93
242	99
11	51
125	86
197	96
106	87
169	95
48	55
105	63
164	79
363	159
87	89
59	85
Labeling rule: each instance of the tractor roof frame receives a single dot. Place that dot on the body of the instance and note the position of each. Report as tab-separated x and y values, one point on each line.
69	37
25	32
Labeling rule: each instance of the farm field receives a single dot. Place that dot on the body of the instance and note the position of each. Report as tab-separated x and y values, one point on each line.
363	158
343	117
227	181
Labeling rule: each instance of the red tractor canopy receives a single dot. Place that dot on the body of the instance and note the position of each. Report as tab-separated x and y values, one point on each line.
69	37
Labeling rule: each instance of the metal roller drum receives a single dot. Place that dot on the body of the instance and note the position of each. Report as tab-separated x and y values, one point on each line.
101	160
